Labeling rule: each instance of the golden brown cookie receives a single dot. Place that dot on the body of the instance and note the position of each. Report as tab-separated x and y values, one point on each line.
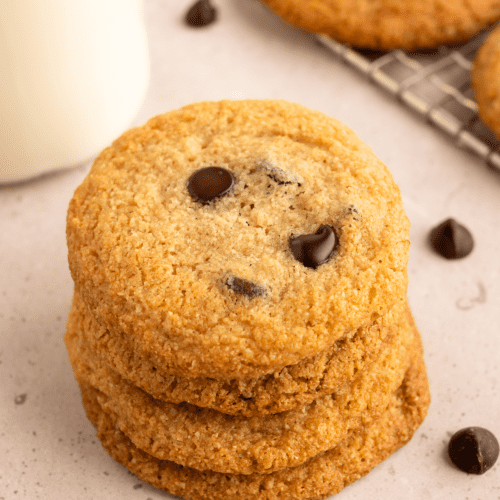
206	439
296	237
485	80
289	388
321	476
391	24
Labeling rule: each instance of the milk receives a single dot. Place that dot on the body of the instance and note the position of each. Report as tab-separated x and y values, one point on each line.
73	73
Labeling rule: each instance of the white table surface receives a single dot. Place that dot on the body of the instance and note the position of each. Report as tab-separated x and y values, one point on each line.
48	449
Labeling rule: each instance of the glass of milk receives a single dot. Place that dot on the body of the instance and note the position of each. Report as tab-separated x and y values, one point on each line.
73	74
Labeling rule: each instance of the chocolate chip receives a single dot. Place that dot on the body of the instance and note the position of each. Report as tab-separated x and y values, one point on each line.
279	175
209	183
451	240
245	287
315	249
474	450
353	212
201	14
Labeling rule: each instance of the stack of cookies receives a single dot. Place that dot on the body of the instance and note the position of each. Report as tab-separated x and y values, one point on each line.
239	327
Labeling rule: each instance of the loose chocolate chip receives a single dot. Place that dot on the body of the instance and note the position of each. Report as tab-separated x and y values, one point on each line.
201	14
314	249
474	450
209	183
451	240
245	287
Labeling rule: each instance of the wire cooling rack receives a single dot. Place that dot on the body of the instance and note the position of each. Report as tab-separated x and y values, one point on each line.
435	84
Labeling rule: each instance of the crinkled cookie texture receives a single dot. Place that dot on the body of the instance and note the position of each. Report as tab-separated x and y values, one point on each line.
485	79
321	476
208	440
165	271
391	24
289	388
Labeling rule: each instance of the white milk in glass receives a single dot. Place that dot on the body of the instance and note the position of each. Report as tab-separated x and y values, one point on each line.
73	74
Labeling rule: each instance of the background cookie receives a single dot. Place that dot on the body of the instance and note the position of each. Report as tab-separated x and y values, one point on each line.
289	388
485	80
391	24
326	474
153	263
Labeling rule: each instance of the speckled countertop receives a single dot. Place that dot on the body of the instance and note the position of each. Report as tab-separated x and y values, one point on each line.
48	449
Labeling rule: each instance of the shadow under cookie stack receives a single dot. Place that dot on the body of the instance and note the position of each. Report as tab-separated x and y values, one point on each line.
239	327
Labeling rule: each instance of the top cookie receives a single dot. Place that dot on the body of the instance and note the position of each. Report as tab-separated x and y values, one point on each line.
391	24
485	80
310	240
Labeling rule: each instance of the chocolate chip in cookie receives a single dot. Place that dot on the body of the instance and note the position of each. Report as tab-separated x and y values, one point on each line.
314	249
279	175
245	287
209	183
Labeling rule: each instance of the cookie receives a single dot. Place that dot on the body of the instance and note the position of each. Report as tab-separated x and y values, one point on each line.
206	439
286	389
324	475
391	24
485	81
231	239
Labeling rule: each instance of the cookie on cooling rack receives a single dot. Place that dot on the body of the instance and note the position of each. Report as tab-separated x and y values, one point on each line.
485	80
231	239
391	24
325	474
